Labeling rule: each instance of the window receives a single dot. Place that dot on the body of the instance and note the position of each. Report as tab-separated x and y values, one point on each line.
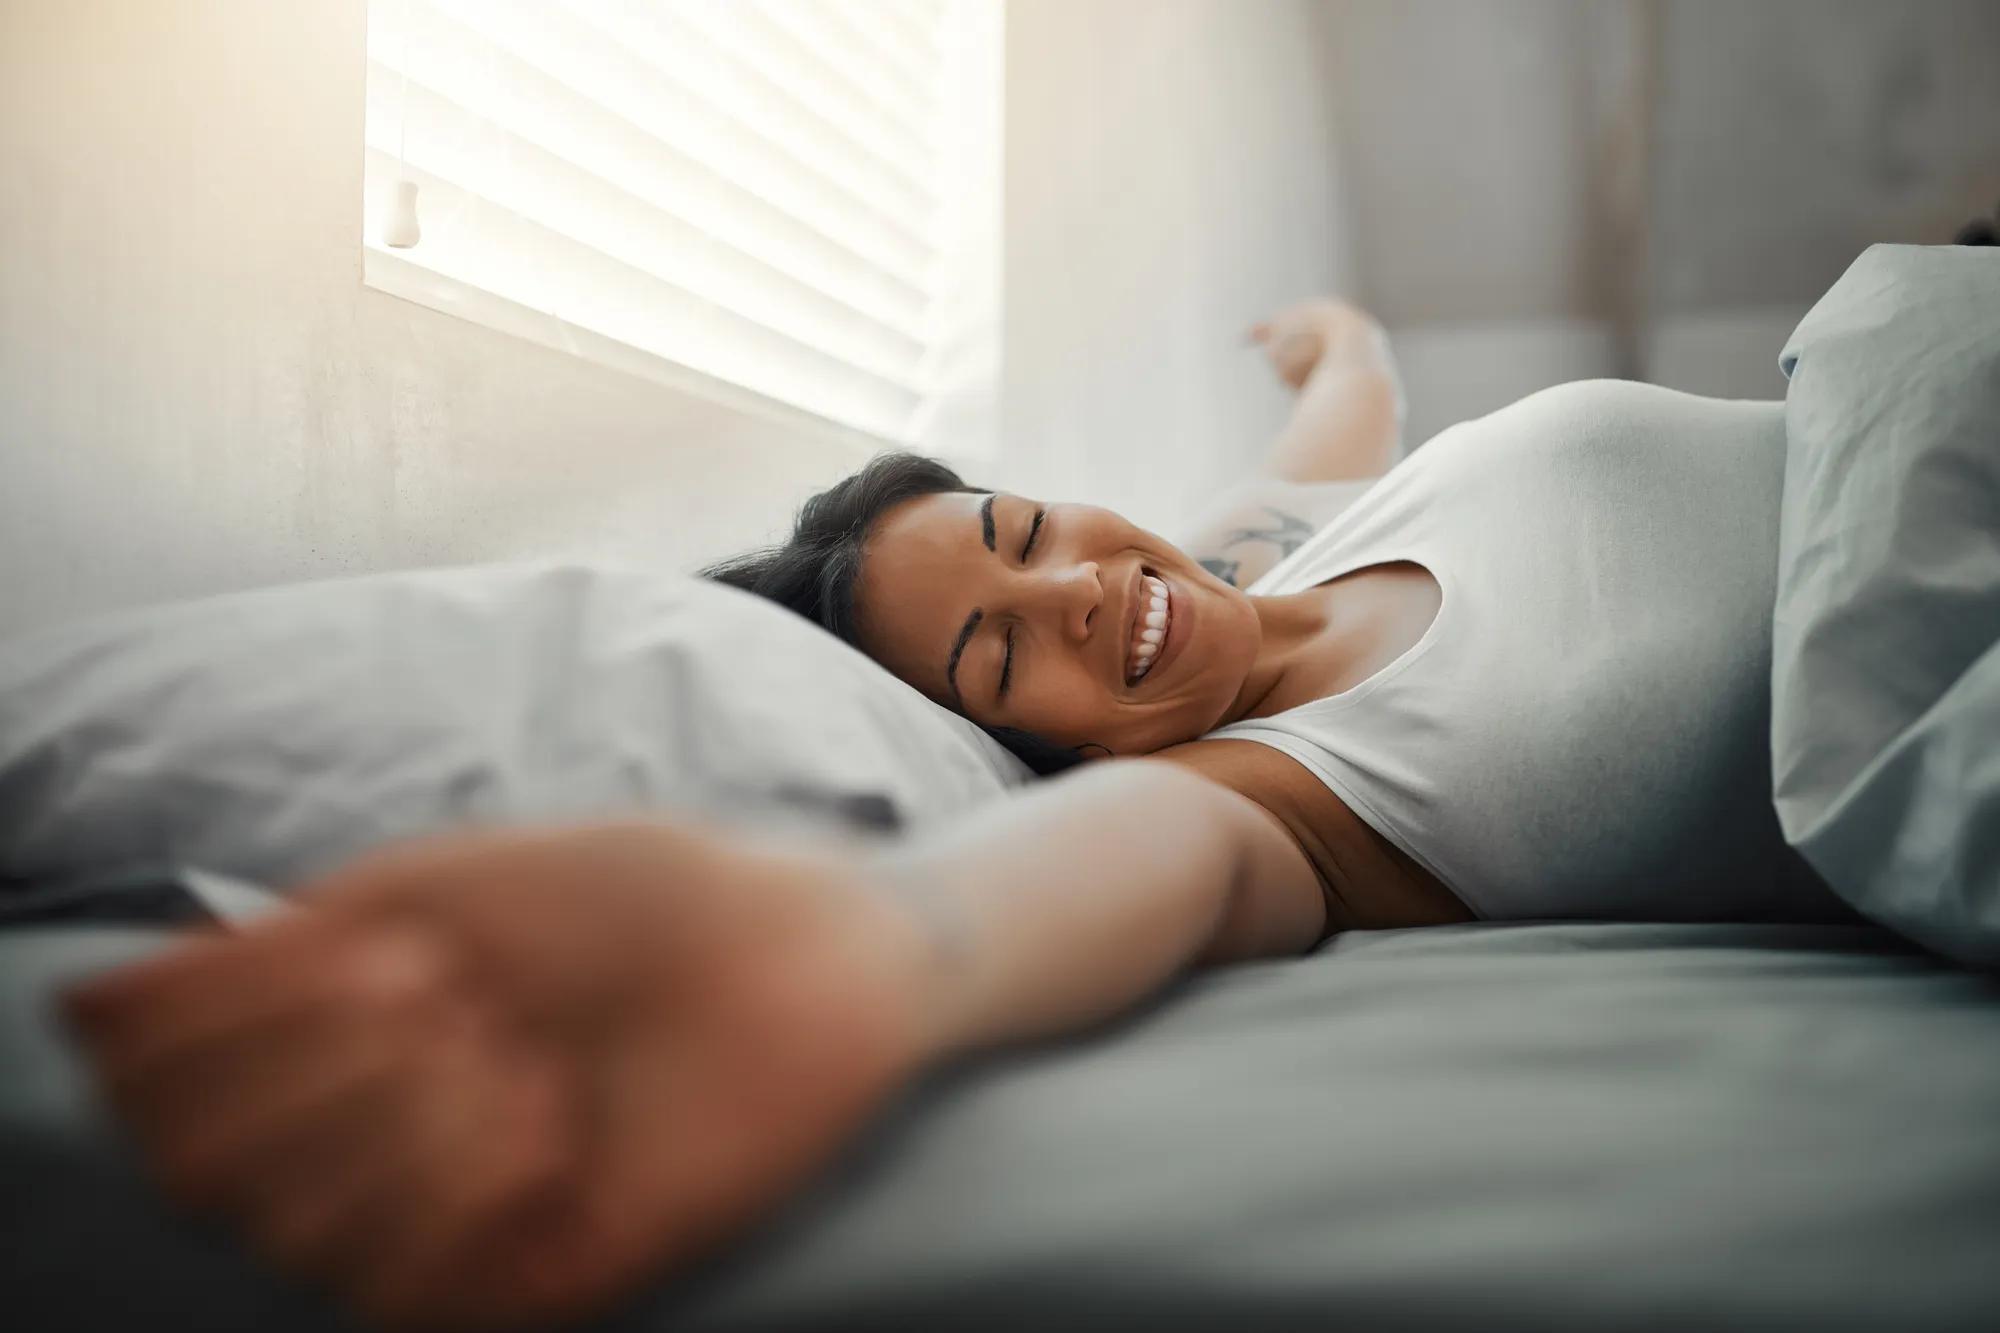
791	203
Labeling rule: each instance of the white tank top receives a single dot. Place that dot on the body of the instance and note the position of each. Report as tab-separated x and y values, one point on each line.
1584	729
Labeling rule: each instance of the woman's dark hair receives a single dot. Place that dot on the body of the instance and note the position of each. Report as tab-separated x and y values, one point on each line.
813	572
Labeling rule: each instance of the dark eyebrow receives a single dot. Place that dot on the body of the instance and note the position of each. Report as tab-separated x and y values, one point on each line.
958	650
986	521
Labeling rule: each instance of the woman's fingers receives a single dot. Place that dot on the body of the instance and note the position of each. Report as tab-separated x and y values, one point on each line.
309	1192
378	1182
307	1079
225	1102
158	1011
205	1057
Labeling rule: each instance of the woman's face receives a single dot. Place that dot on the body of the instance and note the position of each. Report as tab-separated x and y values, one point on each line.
1020	624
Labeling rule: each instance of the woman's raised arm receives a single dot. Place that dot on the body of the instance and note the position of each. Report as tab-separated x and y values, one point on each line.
1347	422
496	1079
1345	430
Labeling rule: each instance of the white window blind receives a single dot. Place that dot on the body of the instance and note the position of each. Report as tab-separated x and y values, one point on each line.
795	198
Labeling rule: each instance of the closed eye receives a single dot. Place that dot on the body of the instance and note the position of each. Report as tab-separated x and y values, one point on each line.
1033	532
1027	548
1007	663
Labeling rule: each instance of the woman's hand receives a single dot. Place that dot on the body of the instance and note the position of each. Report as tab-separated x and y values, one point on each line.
494	1079
1299	337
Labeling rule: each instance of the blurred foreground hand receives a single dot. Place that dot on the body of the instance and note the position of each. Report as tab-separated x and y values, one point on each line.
501	1079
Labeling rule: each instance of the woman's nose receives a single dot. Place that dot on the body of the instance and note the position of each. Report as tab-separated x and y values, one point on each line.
1079	593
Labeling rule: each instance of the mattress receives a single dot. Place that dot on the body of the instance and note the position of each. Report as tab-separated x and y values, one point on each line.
1538	1126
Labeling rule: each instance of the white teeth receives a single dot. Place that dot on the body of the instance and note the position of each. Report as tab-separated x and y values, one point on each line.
1152	629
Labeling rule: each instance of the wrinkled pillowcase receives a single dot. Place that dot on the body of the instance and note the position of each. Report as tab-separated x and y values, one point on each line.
1886	648
274	734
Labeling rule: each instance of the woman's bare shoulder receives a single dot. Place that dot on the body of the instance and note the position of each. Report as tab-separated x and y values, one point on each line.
1370	882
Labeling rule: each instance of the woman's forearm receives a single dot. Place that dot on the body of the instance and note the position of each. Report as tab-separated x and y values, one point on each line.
1067	905
1347	421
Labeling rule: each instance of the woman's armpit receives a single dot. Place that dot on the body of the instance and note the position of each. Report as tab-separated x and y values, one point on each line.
1370	884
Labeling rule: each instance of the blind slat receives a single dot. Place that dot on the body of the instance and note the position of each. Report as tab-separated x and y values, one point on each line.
877	75
793	74
878	29
747	81
913	27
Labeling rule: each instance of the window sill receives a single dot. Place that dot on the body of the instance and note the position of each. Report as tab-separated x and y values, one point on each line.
395	276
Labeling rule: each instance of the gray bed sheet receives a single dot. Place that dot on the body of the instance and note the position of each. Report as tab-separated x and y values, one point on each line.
1555	1126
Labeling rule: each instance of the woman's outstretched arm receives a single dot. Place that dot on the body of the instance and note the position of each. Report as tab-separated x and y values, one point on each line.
1070	904
498	1079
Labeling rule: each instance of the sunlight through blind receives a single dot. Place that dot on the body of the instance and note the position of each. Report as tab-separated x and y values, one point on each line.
798	198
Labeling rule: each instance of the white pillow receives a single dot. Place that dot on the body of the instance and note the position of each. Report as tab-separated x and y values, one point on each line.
276	733
1885	725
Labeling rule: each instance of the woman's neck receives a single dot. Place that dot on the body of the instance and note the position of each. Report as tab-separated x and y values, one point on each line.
1331	637
1293	633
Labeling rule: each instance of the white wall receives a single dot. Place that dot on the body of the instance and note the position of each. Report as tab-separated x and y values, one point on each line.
1172	175
197	393
1491	149
1453	372
1794	133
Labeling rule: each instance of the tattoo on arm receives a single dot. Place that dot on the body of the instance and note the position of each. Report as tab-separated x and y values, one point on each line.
1286	531
1288	535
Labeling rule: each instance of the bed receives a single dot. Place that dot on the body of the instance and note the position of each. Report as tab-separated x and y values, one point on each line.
1542	1126
1539	1125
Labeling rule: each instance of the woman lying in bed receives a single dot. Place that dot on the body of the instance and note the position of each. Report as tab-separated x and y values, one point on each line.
1523	675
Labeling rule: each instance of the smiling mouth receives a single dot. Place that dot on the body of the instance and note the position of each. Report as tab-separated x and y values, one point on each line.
1151	617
